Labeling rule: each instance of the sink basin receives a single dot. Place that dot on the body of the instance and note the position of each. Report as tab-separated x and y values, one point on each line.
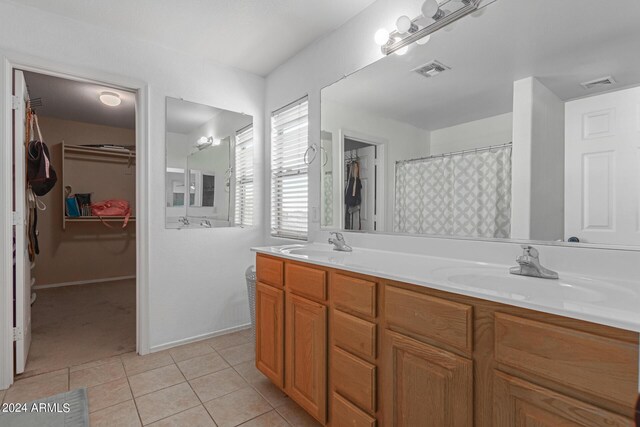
498	282
314	252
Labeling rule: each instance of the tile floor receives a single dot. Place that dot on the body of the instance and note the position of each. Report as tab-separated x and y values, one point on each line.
207	383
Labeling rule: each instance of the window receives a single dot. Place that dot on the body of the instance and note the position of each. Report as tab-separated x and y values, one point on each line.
244	177
289	173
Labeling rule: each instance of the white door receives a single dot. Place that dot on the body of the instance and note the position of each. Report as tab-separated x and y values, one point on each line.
602	168
367	158
22	264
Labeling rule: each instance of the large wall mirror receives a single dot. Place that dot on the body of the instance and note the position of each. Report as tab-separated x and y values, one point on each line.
519	122
209	166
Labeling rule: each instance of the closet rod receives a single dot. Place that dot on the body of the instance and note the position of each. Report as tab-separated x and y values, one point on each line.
473	150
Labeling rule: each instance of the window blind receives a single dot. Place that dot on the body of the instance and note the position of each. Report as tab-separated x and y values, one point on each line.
244	177
289	173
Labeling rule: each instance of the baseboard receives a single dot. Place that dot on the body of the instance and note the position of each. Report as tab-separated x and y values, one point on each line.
83	282
177	343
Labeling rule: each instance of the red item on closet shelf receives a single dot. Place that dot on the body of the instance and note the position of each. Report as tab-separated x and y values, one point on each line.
114	207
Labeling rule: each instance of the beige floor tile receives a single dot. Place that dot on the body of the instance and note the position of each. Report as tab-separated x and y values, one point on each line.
166	402
38	387
239	354
109	394
296	416
189	351
249	371
94	363
217	384
202	365
270	419
134	364
121	415
97	375
194	417
237	407
155	379
229	340
270	392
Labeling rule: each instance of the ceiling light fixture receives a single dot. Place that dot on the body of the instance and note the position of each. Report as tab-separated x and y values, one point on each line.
111	99
418	29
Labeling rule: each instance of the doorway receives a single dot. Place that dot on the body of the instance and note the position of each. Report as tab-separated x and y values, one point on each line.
363	183
75	268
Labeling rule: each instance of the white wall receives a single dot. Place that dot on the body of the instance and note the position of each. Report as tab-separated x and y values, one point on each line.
401	142
196	277
537	202
494	130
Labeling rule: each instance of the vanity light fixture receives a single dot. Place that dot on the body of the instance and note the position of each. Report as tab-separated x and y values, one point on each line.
204	142
432	19
111	99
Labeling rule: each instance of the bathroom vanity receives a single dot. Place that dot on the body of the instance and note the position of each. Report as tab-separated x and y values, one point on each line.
440	342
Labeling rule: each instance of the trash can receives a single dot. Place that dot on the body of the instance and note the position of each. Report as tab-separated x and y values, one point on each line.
250	275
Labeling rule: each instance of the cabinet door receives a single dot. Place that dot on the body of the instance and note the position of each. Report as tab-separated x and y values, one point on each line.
518	403
424	385
269	332
306	355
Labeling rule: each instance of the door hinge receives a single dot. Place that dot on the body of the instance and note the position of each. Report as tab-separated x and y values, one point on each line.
15	102
17	334
16	219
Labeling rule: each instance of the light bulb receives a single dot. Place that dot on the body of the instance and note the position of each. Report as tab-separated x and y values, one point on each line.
203	140
424	40
381	37
431	9
404	24
401	51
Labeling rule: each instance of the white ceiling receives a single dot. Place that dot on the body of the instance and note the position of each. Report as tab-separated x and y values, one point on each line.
79	101
563	43
252	35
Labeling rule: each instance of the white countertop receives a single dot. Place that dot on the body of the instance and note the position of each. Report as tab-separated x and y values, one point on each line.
611	302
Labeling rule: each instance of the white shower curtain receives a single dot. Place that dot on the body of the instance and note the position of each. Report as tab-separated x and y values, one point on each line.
467	194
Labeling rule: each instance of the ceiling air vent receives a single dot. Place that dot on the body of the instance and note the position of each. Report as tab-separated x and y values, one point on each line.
602	81
431	69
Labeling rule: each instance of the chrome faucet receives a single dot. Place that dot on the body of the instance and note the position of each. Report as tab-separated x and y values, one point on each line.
339	243
529	265
205	223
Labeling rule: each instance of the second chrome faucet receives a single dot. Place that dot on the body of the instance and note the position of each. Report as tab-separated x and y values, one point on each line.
338	242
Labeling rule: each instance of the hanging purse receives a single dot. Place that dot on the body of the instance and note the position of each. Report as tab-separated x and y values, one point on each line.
40	173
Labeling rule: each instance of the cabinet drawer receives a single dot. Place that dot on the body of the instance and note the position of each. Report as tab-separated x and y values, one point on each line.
355	379
345	414
590	363
270	271
443	321
355	335
354	295
306	281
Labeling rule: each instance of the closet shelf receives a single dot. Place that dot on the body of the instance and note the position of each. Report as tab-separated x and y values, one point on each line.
92	151
97	219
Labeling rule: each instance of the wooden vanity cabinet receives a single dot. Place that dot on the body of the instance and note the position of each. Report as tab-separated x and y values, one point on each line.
359	351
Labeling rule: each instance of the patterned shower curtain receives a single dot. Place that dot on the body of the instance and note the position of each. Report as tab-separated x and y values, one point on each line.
466	194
